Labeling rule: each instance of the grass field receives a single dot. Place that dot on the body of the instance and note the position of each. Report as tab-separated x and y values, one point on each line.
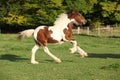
103	62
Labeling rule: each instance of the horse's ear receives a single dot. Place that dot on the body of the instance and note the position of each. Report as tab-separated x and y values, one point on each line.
71	13
75	12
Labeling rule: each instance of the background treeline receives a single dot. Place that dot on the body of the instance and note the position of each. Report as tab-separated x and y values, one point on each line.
17	15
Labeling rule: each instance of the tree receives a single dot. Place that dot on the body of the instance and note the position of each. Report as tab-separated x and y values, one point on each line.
110	11
49	10
32	13
86	7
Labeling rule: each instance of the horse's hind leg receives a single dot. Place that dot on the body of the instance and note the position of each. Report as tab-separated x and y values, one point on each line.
34	49
51	55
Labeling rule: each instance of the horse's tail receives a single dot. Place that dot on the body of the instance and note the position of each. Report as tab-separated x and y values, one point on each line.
25	33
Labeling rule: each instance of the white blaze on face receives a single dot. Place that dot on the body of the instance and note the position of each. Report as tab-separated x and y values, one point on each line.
74	21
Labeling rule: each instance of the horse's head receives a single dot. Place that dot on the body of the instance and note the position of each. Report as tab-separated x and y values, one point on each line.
76	17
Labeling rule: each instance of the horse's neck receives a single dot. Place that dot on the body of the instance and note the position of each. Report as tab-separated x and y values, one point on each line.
62	22
70	26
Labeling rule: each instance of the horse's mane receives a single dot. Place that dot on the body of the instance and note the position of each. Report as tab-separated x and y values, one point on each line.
61	20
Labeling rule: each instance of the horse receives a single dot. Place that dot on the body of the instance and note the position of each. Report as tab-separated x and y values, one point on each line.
60	32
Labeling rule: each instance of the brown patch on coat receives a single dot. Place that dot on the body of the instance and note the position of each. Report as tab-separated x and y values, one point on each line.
44	36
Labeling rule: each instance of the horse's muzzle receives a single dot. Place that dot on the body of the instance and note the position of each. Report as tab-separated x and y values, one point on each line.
84	22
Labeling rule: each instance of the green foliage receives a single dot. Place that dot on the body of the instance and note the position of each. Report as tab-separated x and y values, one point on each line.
14	20
108	6
117	16
97	24
81	5
43	12
32	13
111	10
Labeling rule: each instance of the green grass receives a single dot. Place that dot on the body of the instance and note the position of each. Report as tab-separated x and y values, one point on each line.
103	62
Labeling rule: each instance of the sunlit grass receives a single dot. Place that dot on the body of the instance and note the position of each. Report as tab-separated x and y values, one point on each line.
103	62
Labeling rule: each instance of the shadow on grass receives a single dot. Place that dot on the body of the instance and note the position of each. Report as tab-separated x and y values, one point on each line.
52	61
11	57
101	55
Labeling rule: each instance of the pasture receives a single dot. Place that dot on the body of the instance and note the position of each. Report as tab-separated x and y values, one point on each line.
102	63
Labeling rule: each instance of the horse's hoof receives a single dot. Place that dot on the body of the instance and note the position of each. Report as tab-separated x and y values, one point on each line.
58	60
72	50
85	55
82	56
34	62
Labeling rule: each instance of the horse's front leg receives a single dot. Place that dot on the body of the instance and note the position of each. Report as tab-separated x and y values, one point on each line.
76	48
81	52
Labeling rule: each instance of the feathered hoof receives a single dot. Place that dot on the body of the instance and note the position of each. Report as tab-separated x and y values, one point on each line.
72	50
34	62
84	55
58	60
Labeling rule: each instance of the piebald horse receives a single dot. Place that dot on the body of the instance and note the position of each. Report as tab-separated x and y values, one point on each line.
60	32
